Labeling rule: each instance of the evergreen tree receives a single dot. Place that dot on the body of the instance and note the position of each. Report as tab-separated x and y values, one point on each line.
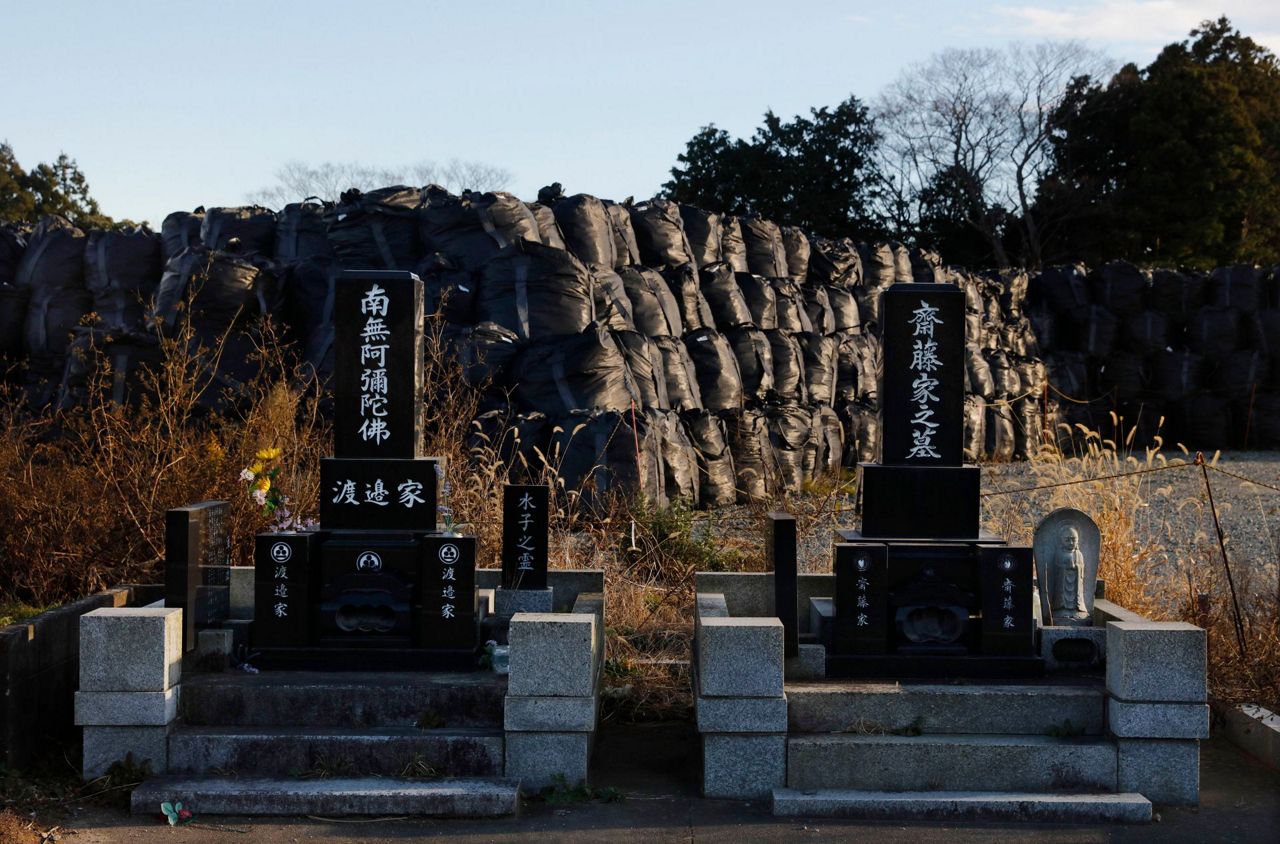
57	188
816	172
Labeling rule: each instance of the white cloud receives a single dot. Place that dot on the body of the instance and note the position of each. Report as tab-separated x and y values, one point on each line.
1143	24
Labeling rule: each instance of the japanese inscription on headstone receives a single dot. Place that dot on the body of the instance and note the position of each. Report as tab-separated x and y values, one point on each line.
525	521
448	591
862	598
378	364
282	588
923	375
1007	616
373	494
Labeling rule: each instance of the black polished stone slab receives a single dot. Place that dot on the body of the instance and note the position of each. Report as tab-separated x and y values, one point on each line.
195	538
919	502
380	495
285	579
449	592
526	511
364	659
1008	621
378	364
780	547
863	622
855	535
922	397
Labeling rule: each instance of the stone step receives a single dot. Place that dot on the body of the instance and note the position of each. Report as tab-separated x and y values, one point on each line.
961	806
442	798
322	699
891	707
951	763
336	751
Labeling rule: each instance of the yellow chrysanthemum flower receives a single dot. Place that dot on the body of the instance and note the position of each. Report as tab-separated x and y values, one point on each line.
264	483
268	454
257	467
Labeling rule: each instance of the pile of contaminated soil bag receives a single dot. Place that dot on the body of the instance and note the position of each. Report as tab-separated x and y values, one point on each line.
647	346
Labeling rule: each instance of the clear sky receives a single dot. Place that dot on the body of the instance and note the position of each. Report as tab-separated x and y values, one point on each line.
170	105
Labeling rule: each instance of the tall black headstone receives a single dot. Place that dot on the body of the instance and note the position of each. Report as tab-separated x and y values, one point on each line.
922	398
780	544
525	522
378	364
921	489
196	560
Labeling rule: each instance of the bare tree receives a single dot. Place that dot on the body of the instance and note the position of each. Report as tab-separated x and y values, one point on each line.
297	180
978	119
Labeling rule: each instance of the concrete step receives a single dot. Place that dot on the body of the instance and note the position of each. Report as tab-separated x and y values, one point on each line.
1003	709
322	699
961	806
443	798
951	763
336	751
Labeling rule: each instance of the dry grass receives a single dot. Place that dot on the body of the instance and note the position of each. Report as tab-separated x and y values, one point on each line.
1159	555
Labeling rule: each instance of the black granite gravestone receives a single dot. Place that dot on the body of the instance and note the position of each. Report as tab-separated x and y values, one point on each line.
196	565
376	587
922	398
378	494
916	587
378	364
780	547
922	401
526	511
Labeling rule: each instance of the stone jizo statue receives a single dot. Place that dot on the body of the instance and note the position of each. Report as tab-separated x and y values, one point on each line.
1066	552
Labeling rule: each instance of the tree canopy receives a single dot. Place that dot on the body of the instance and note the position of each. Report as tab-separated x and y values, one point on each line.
816	172
57	188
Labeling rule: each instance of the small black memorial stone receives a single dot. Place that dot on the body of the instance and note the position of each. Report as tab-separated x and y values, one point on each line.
1008	624
283	589
196	551
781	549
525	522
378	364
449	592
862	598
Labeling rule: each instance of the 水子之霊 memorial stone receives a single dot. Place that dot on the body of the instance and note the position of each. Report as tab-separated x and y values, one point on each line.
526	515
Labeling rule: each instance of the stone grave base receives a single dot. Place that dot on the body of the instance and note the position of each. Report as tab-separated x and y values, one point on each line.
1113	729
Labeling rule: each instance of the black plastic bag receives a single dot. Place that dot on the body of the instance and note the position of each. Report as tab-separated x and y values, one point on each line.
703	229
582	371
733	249
719	286
695	311
716	366
766	255
536	291
472	228
645	364
821	367
301	231
122	270
716	480
587	228
755	362
659	234
682	377
377	230
788	368
253	226
654	309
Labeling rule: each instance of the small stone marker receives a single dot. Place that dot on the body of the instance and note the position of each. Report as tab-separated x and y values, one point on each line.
525	524
449	592
283	587
1008	625
378	365
862	598
197	565
781	549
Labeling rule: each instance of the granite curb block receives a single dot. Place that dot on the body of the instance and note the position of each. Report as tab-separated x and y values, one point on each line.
127	709
553	654
539	760
508	602
740	657
1159	661
961	806
130	650
1163	770
1254	730
444	798
809	664
550	714
104	746
742	714
1158	720
743	766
